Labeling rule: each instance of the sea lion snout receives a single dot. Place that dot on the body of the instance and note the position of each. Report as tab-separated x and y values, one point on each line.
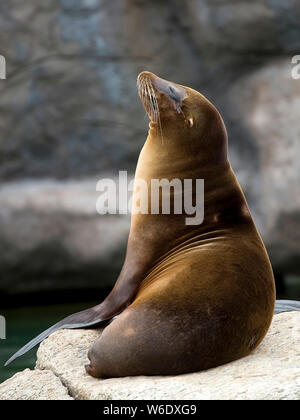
173	91
145	75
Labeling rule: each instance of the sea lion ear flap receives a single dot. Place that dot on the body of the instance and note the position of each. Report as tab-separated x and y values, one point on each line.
189	122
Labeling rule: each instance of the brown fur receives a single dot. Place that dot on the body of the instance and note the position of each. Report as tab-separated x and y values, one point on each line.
200	295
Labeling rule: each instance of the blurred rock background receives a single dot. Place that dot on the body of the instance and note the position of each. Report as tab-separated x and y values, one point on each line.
70	115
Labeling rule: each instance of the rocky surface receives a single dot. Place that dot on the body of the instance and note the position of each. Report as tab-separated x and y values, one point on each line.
68	102
34	385
266	103
70	111
271	372
54	227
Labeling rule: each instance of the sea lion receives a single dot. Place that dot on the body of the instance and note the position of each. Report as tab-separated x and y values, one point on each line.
189	297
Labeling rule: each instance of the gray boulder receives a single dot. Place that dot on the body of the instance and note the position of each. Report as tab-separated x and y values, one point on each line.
266	103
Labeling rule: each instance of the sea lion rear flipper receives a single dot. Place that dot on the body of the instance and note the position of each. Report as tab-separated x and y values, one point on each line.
286	306
114	303
118	299
87	318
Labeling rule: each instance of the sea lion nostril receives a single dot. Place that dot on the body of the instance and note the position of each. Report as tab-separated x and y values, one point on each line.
172	93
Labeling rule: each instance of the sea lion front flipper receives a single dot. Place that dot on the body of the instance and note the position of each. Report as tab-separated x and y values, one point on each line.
87	318
286	306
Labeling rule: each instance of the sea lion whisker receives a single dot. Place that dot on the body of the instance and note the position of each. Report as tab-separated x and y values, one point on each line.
151	104
149	99
158	116
154	100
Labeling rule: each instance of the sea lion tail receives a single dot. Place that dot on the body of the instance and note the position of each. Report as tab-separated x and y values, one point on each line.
83	319
286	306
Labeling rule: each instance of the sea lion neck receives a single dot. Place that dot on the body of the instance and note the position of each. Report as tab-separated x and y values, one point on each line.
223	198
166	157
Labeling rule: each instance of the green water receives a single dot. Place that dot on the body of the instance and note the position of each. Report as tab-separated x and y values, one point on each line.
22	324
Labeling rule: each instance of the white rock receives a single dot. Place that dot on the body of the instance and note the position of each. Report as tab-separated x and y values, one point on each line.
34	385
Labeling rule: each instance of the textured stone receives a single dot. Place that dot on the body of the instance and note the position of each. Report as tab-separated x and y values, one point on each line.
271	372
233	28
267	103
33	385
57	222
68	103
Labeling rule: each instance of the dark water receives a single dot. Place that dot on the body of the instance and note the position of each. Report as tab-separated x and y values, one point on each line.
22	324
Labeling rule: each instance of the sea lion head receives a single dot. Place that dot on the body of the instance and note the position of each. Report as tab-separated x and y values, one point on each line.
182	118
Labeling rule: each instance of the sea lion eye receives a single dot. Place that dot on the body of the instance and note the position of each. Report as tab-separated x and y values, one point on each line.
190	122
